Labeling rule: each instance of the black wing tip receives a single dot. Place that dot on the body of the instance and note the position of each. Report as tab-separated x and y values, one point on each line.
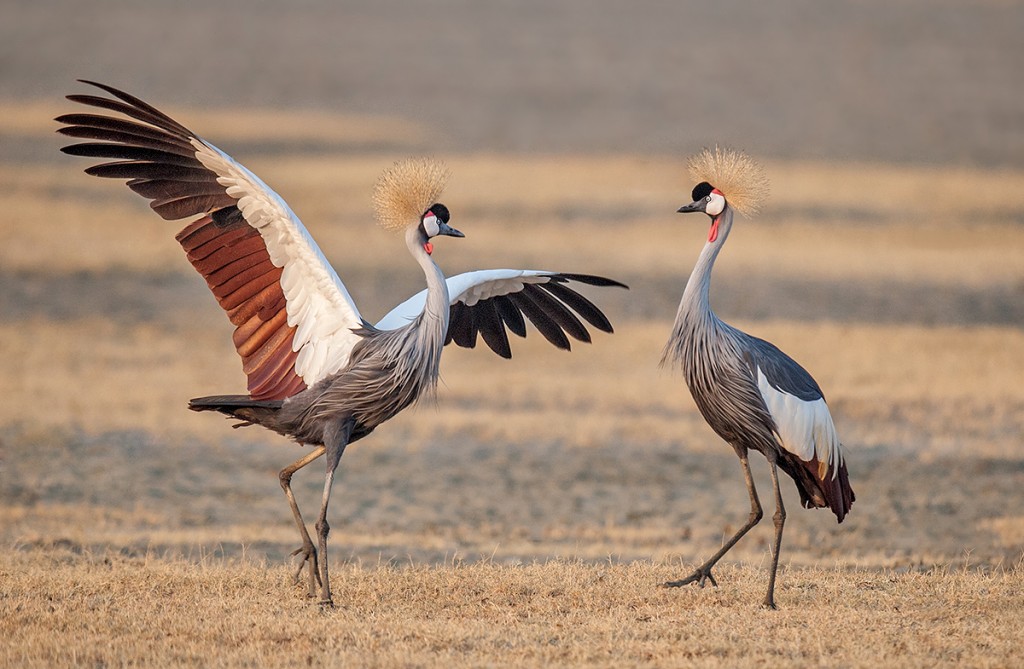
136	107
89	82
605	327
590	280
103	87
80	98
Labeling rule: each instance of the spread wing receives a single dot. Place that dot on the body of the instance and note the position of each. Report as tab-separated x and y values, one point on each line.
489	302
803	422
293	316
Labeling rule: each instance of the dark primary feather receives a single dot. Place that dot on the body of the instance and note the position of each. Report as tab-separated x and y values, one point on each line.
461	329
136	113
542	321
157	156
492	328
104	128
512	317
142	107
141	169
155	189
589	279
581	305
557	311
129	152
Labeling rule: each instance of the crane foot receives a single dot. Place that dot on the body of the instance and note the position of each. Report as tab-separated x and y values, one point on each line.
699	577
308	552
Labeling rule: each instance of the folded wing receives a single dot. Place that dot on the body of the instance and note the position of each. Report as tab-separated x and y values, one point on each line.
489	303
803	423
293	317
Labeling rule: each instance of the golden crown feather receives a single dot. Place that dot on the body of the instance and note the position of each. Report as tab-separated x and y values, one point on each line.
406	190
736	174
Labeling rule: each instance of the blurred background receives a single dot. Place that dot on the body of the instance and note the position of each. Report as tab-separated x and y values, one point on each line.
889	261
913	81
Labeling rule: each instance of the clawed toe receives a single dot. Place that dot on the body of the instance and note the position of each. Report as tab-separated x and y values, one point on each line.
309	558
699	577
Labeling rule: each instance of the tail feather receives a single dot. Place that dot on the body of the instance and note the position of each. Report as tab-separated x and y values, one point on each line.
831	490
243	408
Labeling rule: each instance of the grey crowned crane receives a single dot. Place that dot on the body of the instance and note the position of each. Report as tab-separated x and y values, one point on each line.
317	372
752	394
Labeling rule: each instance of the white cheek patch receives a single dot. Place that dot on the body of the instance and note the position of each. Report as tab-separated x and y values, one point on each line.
430	225
716	205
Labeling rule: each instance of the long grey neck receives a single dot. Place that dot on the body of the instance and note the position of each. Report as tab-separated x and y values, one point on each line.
695	316
696	296
431	325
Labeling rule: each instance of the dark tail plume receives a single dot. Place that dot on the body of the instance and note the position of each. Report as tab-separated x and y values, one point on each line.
827	489
243	408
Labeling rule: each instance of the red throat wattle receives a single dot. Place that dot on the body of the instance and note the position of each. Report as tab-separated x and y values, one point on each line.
429	248
713	232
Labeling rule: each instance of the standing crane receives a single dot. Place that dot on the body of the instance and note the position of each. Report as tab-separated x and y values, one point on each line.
317	371
751	393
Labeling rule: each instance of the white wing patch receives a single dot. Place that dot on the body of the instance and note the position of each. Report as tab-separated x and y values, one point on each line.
805	429
470	288
316	301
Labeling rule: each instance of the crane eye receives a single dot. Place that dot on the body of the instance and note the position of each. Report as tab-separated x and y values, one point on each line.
707	199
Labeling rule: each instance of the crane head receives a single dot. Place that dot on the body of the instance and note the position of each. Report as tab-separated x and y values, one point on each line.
434	222
734	174
706	198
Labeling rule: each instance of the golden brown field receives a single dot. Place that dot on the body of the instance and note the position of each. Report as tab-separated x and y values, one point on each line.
526	518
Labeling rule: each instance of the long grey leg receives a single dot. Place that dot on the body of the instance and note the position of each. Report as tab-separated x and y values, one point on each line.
703	572
780	521
308	550
335	446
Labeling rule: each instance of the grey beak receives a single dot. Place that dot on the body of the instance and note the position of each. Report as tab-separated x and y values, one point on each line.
445	229
692	207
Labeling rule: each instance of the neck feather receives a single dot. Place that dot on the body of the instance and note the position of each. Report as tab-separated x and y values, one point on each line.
431	325
695	315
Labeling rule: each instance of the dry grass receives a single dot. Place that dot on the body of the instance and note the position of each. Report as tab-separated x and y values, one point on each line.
522	521
148	611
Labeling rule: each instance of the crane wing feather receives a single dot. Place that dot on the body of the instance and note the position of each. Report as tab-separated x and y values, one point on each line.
294	318
510	316
486	302
794	399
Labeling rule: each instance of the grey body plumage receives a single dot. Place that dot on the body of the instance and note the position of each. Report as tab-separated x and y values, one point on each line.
720	362
388	371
